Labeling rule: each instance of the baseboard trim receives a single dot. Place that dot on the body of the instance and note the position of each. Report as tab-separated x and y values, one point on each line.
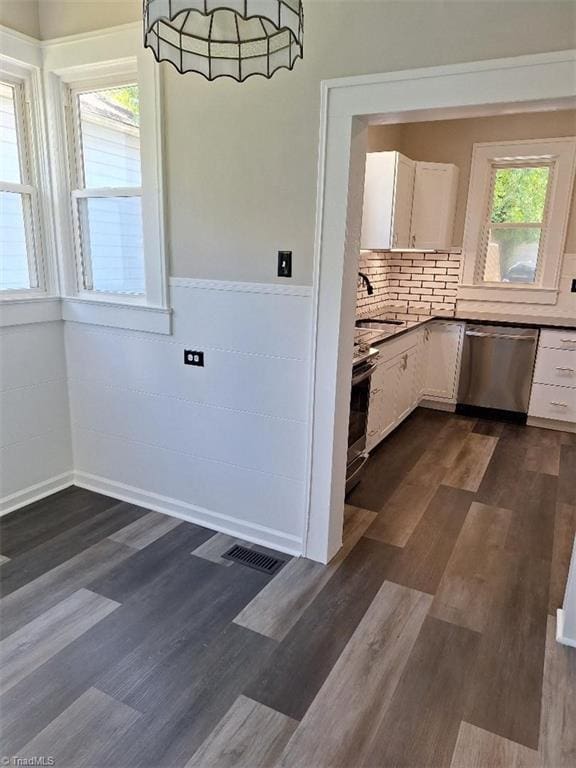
35	492
561	426
257	534
560	637
438	405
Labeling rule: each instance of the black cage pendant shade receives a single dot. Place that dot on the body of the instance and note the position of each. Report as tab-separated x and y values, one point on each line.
238	40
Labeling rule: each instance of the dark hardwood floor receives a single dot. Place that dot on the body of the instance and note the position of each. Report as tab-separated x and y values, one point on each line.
126	639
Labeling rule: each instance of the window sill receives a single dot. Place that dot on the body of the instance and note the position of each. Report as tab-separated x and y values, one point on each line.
23	310
131	317
508	293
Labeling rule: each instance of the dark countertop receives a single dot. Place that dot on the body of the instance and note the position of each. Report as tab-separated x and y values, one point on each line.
371	337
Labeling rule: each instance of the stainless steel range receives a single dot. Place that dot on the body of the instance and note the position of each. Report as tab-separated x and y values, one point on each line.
362	368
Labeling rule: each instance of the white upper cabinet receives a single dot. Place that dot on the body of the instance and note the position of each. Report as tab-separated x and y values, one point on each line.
407	204
388	191
434	205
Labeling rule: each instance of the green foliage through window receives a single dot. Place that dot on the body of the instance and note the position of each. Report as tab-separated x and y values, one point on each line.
126	97
519	195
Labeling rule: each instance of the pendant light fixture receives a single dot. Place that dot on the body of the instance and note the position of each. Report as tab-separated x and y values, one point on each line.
239	39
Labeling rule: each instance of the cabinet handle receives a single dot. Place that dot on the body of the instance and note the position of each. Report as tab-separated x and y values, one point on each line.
560	405
561	368
372	432
375	391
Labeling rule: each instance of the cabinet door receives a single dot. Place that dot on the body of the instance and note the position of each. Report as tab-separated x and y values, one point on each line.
383	402
403	195
407	384
378	200
443	360
434	206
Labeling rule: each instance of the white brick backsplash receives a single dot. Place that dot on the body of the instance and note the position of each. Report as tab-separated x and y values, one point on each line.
409	285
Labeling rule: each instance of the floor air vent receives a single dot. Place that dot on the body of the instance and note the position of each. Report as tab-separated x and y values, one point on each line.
254	559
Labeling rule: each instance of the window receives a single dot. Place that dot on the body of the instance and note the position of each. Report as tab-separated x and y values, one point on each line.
515	222
107	189
19	262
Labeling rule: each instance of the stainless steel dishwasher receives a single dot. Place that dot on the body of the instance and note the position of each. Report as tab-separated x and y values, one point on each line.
497	368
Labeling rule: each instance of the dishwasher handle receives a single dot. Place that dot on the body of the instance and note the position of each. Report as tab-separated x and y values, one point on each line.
513	336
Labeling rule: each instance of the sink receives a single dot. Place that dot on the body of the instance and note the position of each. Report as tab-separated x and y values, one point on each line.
377	324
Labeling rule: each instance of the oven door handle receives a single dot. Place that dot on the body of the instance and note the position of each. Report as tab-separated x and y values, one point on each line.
362	375
354	475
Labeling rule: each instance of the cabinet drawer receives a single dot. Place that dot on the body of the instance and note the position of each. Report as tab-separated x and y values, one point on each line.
550	402
558	339
555	366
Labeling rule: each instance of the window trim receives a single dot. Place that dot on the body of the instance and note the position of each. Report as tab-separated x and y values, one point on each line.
20	67
560	155
93	60
79	190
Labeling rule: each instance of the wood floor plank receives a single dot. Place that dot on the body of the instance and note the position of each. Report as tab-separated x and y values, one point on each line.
567	476
506	686
299	666
214	548
191	693
71	737
368	670
564	532
250	735
464	596
145	530
127	646
393	459
421	564
533	503
470	465
421	724
46	556
505	474
477	748
544	458
37	523
402	513
38	596
558	723
148	564
278	607
25	650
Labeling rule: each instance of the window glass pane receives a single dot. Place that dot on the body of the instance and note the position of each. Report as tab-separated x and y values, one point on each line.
112	243
9	160
512	255
519	195
110	134
13	259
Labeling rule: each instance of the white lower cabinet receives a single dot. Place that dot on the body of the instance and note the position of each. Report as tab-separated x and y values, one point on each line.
421	364
554	389
442	351
394	391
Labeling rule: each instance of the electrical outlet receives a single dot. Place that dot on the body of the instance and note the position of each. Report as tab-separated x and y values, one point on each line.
191	357
573	289
284	263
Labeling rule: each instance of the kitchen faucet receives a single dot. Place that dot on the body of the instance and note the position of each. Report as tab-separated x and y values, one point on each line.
367	283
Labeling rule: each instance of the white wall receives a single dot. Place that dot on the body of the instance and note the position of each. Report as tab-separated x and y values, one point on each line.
35	446
224	445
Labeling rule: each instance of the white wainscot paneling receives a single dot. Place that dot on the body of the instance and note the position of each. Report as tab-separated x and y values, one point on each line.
27	412
224	445
266	323
35	453
249	504
34	468
248	440
155	364
30	354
